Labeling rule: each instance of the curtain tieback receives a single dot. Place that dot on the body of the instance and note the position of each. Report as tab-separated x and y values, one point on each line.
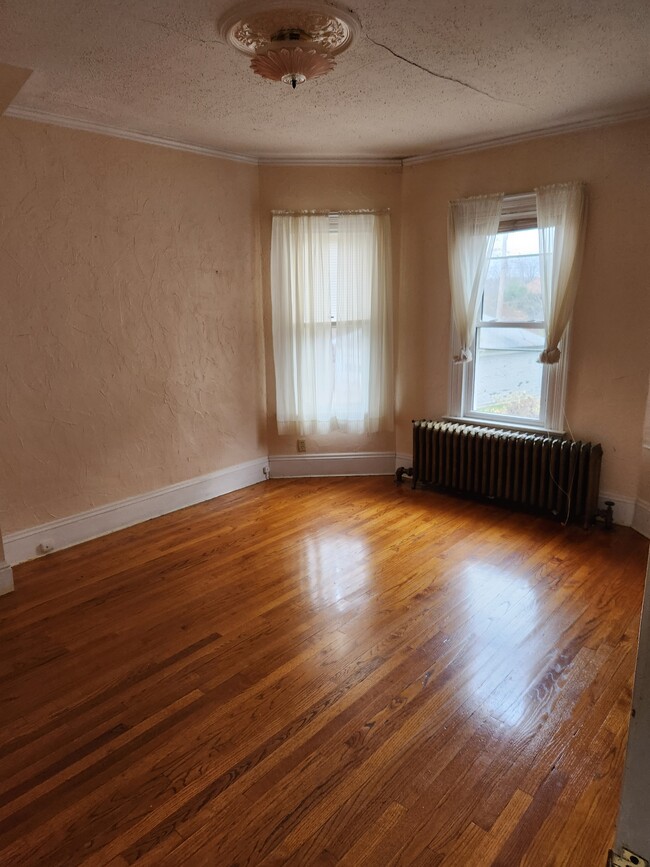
463	356
550	355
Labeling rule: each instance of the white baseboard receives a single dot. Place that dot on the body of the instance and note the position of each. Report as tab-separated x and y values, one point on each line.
341	464
627	512
402	460
24	545
641	521
6	578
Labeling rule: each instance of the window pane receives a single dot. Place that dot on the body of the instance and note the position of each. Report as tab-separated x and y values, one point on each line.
507	374
512	286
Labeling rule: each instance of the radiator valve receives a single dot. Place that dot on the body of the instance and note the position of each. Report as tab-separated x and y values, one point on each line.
400	472
606	515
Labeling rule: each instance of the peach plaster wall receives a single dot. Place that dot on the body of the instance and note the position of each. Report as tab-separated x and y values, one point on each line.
609	355
325	188
131	341
130	336
644	482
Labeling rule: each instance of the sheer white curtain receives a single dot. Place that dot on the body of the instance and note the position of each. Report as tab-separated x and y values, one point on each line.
332	322
472	228
561	211
363	391
302	328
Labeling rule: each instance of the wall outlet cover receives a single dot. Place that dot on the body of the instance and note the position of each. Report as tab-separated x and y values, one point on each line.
626	859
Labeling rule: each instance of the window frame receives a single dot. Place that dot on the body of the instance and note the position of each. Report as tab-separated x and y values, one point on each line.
518	212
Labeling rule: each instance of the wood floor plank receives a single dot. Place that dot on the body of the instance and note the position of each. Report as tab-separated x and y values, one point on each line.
479	847
479	691
320	671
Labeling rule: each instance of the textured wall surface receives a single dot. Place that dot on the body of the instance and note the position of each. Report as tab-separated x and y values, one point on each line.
134	279
12	78
324	188
130	336
609	355
644	479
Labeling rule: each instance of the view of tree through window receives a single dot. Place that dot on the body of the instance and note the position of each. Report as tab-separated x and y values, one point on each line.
510	335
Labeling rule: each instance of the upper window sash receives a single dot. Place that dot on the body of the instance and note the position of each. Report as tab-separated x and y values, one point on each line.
518	212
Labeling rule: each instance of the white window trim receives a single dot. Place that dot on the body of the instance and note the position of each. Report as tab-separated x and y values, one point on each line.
518	214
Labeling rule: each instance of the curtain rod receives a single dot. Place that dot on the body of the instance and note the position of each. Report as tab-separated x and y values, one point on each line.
330	212
514	197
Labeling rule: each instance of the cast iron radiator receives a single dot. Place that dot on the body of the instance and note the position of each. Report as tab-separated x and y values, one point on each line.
532	471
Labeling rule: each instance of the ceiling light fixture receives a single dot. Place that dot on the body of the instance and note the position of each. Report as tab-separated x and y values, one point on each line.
289	41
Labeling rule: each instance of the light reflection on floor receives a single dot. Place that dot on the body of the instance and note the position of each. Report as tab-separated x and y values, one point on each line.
505	611
335	566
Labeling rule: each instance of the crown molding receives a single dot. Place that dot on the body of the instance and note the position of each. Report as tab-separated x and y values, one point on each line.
384	162
563	129
503	141
38	116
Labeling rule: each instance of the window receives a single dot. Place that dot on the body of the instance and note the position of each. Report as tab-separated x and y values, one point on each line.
332	322
504	381
507	379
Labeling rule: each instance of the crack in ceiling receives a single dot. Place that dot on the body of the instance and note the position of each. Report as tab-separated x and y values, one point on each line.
135	65
442	76
187	36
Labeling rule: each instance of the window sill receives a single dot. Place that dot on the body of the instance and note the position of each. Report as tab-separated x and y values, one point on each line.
481	422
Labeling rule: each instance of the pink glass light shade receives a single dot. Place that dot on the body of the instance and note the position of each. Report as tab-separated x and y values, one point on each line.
293	64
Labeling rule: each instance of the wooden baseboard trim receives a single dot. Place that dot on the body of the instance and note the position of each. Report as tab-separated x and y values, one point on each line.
627	512
641	521
335	464
6	578
65	532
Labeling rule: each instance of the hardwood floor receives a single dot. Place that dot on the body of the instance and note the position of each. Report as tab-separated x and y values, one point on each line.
320	672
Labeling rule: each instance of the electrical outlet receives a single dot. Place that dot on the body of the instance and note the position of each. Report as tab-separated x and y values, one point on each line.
634	859
301	445
626	859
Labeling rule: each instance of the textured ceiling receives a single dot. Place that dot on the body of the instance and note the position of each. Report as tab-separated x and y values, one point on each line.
422	77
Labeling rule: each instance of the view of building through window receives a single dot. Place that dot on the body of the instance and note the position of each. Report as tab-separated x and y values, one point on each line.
509	336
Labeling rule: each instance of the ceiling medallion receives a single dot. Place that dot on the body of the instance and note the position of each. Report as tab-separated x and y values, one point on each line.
289	41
